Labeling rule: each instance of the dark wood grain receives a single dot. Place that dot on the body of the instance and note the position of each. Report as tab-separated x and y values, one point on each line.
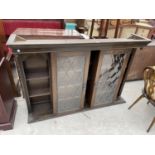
143	57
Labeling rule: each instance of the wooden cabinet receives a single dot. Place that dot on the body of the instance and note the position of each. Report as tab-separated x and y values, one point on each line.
7	102
63	76
143	57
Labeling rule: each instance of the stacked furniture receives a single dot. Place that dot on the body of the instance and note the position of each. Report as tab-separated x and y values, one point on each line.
143	57
124	31
9	26
57	77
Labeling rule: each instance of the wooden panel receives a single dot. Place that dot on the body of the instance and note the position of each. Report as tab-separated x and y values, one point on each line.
143	58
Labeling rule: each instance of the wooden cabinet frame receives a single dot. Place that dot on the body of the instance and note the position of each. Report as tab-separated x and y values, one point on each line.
56	49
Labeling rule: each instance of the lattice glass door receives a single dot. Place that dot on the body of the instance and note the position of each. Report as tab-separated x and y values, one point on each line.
71	73
110	72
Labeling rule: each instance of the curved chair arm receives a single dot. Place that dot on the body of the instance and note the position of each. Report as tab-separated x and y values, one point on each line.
149	82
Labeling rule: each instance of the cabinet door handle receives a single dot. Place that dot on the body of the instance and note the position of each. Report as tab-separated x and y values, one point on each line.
2	60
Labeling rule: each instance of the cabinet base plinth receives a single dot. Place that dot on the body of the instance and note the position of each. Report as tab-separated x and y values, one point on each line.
33	117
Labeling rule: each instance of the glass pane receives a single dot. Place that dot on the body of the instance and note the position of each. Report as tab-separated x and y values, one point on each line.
108	78
70	81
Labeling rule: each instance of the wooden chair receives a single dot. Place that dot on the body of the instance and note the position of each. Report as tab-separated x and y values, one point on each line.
149	89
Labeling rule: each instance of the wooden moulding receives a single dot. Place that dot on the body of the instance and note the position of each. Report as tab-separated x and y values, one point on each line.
73	44
56	49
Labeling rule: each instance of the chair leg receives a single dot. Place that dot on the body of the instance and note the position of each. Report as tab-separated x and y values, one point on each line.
153	121
140	97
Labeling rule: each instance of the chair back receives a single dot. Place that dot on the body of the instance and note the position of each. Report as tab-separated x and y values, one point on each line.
149	82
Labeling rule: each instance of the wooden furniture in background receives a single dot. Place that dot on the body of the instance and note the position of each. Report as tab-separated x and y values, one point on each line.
102	30
144	31
117	27
7	27
92	28
2	32
149	89
113	22
143	57
54	73
10	25
7	102
125	31
107	27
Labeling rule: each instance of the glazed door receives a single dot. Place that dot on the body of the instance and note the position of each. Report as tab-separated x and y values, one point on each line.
69	77
110	69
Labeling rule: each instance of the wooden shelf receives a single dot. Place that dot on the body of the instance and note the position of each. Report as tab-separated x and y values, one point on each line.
39	92
42	109
37	75
40	99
